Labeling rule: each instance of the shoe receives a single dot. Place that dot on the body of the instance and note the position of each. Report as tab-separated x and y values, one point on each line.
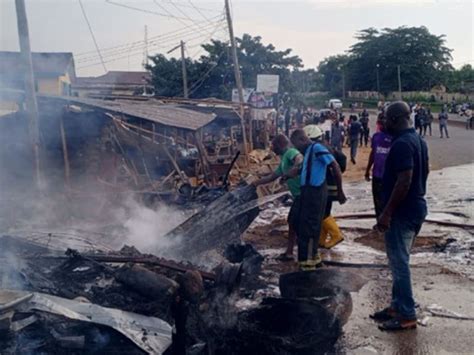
311	265
306	266
330	228
398	324
384	315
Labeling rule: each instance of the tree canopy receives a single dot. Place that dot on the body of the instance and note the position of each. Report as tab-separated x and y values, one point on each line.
423	58
212	75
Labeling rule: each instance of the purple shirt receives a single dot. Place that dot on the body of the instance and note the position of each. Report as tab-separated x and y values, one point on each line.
381	143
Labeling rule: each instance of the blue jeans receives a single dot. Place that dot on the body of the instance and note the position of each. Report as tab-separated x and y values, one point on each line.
354	145
399	239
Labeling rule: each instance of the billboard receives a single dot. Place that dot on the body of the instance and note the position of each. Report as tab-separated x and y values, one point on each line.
268	83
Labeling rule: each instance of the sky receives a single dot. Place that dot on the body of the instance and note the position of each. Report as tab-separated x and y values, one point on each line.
314	29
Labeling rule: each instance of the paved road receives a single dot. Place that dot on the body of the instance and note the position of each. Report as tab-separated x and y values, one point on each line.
457	150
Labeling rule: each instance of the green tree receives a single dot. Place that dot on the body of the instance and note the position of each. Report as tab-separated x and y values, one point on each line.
212	75
331	70
422	56
460	80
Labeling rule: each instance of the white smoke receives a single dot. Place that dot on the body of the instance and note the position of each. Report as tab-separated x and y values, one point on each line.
145	227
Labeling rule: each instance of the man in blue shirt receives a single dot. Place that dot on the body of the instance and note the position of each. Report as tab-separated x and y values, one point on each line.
403	188
313	197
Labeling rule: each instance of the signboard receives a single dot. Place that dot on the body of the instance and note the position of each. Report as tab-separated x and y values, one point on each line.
247	93
261	100
268	83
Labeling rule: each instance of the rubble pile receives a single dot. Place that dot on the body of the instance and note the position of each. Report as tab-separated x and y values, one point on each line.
100	303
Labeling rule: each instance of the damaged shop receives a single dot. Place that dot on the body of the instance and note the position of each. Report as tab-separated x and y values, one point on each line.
86	271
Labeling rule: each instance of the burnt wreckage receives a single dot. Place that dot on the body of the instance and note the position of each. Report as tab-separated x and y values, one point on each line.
55	299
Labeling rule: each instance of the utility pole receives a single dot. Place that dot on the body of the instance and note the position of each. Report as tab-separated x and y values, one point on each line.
145	52
343	84
378	82
145	59
238	78
185	75
399	82
30	94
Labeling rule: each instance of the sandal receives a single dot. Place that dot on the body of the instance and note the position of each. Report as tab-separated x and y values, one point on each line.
398	324
384	315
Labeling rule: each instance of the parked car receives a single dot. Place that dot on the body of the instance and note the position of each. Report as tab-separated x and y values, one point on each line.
335	104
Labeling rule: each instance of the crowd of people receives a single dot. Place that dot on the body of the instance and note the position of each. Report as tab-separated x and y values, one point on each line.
312	164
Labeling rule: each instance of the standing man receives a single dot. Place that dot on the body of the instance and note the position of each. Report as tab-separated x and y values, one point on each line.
364	121
290	163
421	119
428	121
337	134
354	133
404	188
443	123
313	198
381	142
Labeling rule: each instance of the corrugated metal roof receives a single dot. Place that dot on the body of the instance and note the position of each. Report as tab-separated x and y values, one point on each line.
165	114
117	78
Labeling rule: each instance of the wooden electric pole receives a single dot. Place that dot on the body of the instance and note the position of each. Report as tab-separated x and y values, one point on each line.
238	78
399	82
343	84
30	94
185	75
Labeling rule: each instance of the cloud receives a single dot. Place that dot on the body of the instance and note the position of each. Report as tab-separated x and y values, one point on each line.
311	46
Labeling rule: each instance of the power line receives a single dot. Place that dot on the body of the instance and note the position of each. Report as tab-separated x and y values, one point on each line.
141	10
187	6
137	52
210	38
198	10
92	35
177	33
201	81
134	50
182	12
141	45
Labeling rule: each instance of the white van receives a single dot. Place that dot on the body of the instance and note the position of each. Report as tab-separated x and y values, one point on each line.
335	104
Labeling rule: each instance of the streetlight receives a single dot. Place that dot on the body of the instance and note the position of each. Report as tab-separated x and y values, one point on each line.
378	82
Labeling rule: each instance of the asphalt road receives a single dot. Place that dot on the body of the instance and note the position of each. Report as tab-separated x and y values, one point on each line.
457	150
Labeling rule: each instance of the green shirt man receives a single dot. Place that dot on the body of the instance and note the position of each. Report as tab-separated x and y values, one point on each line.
287	162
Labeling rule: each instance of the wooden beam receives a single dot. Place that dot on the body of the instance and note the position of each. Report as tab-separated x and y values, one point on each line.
67	171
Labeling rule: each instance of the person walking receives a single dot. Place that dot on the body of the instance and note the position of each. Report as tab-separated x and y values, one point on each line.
443	124
381	142
290	163
365	131
404	188
331	234
313	198
354	134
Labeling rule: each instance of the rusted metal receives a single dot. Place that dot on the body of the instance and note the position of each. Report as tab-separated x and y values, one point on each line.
150	260
146	260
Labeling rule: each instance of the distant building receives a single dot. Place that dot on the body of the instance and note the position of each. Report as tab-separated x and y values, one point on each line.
116	83
54	72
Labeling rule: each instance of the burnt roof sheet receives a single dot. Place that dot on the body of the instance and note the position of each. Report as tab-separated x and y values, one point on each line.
165	114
